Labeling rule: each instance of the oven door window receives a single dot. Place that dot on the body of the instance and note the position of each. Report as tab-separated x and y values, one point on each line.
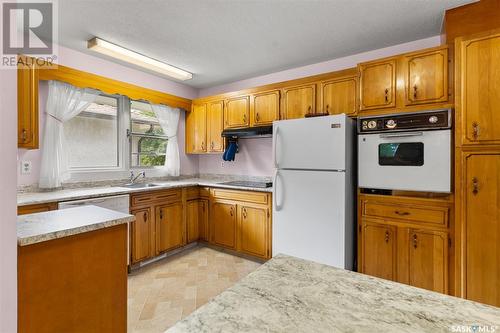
401	154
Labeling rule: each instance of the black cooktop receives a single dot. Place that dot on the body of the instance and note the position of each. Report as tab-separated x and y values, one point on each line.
248	184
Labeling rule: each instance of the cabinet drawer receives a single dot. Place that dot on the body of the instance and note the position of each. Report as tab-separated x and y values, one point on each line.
427	215
170	195
192	193
255	197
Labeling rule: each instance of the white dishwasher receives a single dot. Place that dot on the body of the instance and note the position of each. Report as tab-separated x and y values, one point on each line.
119	203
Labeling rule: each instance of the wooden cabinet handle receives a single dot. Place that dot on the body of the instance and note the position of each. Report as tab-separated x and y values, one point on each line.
387	236
415	241
401	213
202	145
145	217
212	145
475	130
415	91
244	118
244	213
24	135
475	185
161	214
327	109
231	211
257	117
386	95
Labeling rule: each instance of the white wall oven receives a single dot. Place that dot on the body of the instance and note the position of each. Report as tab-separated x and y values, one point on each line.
410	151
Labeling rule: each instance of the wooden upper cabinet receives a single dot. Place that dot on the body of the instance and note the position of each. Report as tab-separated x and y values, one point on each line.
141	235
169	227
299	101
339	96
378	248
265	108
237	112
481	184
378	84
27	105
253	230
223	220
196	129
426	77
428	259
215	120
478	89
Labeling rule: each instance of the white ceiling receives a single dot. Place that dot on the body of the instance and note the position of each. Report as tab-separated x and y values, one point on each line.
220	41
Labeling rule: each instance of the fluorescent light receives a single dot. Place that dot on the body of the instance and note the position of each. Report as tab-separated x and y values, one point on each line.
118	52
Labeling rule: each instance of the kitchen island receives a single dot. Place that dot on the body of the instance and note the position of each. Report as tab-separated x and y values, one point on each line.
292	295
72	271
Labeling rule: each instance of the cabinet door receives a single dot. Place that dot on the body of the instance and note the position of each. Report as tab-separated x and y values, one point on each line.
196	129
141	235
253	230
426	77
428	260
169	227
237	112
379	250
27	108
299	101
378	85
215	122
265	108
482	227
479	93
203	219
339	96
223	222
192	219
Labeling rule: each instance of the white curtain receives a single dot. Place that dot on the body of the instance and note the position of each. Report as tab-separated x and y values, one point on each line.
63	103
169	121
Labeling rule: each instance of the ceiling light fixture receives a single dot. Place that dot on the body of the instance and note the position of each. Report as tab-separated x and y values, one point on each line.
118	52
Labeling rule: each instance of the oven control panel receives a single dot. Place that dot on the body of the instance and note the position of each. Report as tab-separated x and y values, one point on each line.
426	120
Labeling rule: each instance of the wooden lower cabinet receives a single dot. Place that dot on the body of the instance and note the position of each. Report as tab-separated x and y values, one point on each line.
253	230
38	208
169	227
406	248
428	259
192	220
159	224
203	220
141	235
223	222
379	250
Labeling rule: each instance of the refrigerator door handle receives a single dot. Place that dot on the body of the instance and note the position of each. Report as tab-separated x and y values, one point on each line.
275	148
277	206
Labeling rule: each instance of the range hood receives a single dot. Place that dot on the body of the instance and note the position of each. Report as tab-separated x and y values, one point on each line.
251	132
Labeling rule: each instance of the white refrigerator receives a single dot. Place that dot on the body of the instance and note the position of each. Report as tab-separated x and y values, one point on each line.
313	189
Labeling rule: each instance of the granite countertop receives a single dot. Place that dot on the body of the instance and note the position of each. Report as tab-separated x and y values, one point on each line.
292	295
41	227
31	198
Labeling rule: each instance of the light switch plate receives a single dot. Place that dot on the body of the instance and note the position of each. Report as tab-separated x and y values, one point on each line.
26	167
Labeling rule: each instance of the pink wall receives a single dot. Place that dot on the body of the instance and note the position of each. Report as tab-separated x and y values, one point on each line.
85	62
255	156
8	234
322	67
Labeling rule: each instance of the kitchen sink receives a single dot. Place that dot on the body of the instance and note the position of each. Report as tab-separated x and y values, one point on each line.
140	185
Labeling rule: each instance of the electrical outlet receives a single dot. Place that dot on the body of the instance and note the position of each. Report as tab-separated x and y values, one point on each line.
26	167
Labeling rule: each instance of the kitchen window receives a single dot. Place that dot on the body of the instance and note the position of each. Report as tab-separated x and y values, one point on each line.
148	143
115	134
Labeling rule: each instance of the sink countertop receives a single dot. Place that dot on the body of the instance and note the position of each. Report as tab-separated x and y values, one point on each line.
31	198
288	294
41	227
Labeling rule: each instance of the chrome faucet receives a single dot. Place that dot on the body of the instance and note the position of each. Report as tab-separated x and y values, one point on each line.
133	178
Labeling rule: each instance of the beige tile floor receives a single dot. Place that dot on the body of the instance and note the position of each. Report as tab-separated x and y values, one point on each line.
166	291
